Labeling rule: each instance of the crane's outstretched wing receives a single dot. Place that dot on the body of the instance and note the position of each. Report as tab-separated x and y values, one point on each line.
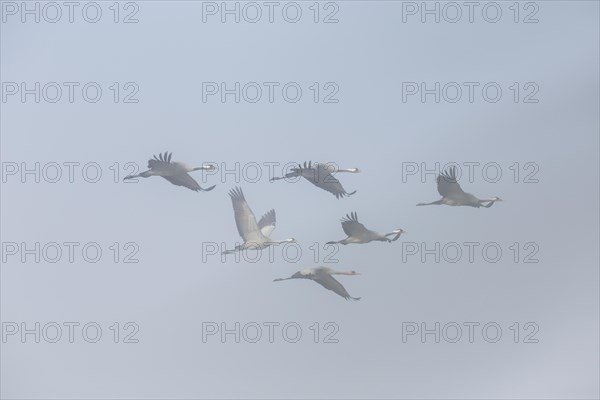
351	226
267	223
330	283
447	184
187	181
244	217
320	176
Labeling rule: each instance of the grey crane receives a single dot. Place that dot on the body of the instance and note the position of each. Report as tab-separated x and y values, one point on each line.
323	276
255	235
321	175
358	233
174	171
453	195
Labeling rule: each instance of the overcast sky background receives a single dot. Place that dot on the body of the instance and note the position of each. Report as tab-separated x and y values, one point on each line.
171	292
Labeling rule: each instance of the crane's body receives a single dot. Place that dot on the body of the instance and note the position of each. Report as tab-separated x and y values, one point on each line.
358	233
453	195
256	236
321	175
174	171
323	276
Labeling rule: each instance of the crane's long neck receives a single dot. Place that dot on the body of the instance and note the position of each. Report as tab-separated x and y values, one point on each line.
283	279
396	232
204	167
292	174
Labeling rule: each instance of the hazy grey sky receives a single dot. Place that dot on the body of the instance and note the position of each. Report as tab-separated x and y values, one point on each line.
366	56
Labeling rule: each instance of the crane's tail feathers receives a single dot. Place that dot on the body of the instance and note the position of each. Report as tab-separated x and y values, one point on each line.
350	194
208	189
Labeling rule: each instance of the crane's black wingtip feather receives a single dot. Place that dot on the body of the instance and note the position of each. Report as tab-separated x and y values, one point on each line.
236	193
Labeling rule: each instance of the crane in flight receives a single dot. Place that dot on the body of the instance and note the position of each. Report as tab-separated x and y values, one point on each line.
321	175
255	235
358	233
323	276
174	171
453	195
